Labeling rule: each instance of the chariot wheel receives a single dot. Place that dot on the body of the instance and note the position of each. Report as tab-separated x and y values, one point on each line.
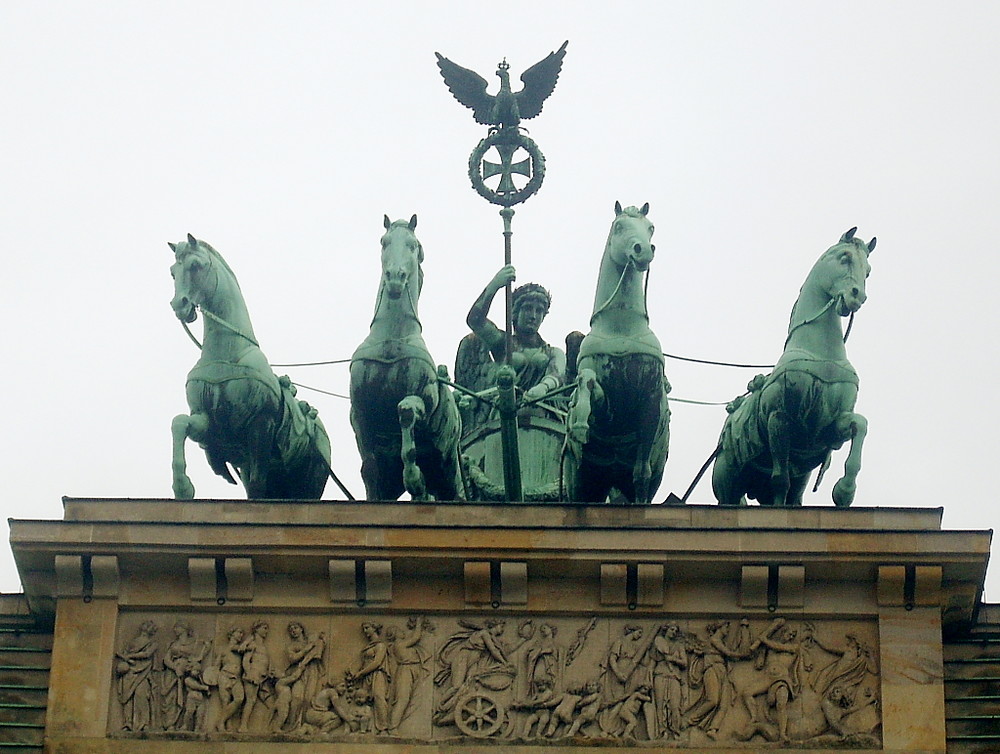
479	715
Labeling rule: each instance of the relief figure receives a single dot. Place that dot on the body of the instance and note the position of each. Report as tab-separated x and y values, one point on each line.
302	677
373	677
625	671
196	693
670	665
183	650
135	685
226	673
256	671
409	659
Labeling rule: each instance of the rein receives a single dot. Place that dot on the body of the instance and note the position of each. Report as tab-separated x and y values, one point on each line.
212	315
216	318
645	293
409	297
817	315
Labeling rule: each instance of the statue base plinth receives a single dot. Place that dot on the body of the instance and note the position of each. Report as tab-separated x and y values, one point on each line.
210	625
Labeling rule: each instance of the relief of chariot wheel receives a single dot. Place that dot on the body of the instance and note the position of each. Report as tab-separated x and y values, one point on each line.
479	715
518	155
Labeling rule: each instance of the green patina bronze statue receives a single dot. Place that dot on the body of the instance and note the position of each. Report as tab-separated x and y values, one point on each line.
794	418
405	419
618	423
503	112
537	369
506	108
241	413
540	367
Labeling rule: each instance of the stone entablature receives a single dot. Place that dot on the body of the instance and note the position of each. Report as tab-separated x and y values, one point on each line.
349	585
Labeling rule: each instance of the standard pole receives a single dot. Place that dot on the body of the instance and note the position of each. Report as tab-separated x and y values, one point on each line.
508	214
506	399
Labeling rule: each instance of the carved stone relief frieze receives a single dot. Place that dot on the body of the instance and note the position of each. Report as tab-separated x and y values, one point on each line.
690	683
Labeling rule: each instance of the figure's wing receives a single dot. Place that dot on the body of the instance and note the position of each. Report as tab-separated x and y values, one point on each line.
473	364
468	87
539	81
474	371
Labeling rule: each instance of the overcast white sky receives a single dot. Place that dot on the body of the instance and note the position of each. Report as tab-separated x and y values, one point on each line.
281	133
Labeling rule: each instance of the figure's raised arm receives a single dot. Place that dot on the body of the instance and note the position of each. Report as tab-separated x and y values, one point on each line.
477	319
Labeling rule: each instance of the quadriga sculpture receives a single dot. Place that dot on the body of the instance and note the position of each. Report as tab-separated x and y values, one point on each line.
618	425
242	414
405	420
793	419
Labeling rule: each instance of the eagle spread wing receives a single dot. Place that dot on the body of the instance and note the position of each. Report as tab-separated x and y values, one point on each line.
468	87
539	81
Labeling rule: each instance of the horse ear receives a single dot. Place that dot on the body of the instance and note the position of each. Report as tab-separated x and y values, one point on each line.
645	209
386	221
618	208
192	241
173	247
413	222
871	245
849	235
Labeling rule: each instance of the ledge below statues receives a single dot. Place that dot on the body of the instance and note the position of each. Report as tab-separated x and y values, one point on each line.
410	627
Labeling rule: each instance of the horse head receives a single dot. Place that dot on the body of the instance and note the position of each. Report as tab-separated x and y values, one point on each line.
629	239
843	270
402	256
191	272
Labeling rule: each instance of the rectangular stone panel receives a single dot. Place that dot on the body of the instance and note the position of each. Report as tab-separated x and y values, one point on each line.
496	679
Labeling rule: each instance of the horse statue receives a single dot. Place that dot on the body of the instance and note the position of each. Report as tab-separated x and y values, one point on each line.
242	414
617	428
405	419
794	418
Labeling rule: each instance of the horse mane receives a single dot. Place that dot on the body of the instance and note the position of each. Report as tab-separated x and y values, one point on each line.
632	212
217	256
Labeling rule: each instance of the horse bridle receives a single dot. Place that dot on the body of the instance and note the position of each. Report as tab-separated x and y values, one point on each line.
213	316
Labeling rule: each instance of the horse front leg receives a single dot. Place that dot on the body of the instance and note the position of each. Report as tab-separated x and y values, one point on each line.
411	410
778	441
725	479
578	420
851	427
651	439
182	427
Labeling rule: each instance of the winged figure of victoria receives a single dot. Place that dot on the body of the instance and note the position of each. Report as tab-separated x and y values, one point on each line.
506	108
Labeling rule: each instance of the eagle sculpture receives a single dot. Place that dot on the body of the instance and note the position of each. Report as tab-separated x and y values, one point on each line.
505	108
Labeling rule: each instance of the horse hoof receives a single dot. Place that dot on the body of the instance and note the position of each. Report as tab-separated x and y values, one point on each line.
183	489
843	493
579	432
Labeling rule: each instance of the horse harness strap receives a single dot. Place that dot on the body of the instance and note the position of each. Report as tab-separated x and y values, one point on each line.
393	350
232	328
219	372
829	372
645	294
